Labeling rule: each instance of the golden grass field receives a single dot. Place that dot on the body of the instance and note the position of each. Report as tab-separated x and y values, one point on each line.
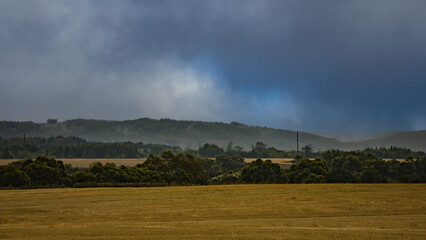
285	211
85	162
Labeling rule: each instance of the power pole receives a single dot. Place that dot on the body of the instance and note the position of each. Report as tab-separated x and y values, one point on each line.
297	142
24	141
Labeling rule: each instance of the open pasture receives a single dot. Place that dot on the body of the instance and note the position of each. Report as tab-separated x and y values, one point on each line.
316	211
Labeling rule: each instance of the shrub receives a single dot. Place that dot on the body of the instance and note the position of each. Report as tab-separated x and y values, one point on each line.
263	172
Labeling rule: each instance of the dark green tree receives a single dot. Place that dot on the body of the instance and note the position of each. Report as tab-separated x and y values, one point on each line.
263	172
234	163
210	150
301	172
341	176
10	176
308	151
6	154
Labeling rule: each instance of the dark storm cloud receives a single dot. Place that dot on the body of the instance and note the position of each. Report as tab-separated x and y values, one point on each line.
312	65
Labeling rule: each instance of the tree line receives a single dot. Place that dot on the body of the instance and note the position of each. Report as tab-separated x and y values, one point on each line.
74	147
184	169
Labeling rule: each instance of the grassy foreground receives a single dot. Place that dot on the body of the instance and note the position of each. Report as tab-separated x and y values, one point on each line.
324	211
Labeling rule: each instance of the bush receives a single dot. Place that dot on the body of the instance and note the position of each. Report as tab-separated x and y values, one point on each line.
10	176
226	178
371	175
314	178
81	177
302	171
46	172
341	176
263	172
234	163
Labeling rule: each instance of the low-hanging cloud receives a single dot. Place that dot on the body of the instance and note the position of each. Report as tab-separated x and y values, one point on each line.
323	66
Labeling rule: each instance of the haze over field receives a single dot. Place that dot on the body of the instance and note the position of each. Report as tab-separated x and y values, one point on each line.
317	66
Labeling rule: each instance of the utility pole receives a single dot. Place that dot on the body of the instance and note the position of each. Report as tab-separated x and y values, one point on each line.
297	141
24	141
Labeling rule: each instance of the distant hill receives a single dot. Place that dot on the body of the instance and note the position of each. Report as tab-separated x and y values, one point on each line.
195	133
355	137
415	140
170	132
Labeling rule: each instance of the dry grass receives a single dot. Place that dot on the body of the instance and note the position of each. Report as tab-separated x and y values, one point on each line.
130	162
85	162
327	211
283	162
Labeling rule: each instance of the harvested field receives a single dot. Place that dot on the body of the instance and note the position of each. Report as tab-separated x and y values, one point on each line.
316	211
85	162
283	162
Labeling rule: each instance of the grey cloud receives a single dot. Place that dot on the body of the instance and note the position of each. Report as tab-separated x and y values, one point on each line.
311	65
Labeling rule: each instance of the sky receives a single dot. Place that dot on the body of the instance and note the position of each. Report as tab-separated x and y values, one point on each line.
322	66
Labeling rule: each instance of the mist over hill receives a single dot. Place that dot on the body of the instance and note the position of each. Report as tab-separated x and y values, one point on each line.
196	133
355	137
415	140
167	131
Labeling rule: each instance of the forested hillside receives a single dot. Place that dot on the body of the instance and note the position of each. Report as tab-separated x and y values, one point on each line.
74	147
193	134
166	131
415	140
